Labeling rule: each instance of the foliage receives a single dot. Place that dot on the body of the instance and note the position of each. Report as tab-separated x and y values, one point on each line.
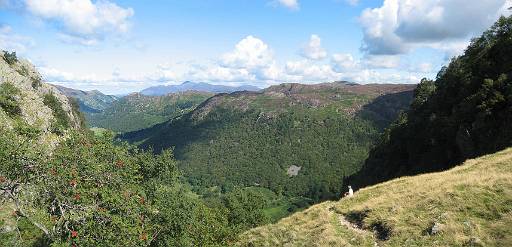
245	209
135	112
10	57
62	120
92	192
8	102
464	113
75	108
36	83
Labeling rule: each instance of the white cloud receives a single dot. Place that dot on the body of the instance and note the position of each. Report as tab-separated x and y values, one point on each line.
401	25
305	71
291	4
71	39
314	50
83	19
423	68
250	53
382	61
11	41
344	62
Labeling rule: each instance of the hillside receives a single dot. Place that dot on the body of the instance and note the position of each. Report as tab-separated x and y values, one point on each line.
464	113
89	101
470	205
297	140
195	86
137	111
29	106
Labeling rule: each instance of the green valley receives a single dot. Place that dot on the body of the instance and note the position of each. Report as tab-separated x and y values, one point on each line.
249	139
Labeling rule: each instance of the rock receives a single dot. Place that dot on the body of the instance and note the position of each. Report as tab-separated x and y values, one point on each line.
474	241
293	170
436	228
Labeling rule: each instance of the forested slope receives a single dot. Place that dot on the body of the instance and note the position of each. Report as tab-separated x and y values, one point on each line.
136	111
465	112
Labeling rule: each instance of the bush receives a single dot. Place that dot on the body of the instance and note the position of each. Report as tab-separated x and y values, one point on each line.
36	83
23	71
8	101
61	117
10	57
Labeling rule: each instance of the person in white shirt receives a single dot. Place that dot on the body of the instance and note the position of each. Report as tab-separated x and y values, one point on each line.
350	192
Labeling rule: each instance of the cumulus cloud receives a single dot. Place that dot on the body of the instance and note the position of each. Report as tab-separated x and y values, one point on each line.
382	61
249	53
305	70
313	49
401	25
291	4
344	62
82	20
11	41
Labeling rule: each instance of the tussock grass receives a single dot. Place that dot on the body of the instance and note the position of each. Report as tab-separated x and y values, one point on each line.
471	205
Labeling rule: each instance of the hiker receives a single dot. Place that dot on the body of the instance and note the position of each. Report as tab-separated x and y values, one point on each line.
350	192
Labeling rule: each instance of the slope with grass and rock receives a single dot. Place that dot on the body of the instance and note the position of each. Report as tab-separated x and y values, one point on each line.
29	106
470	205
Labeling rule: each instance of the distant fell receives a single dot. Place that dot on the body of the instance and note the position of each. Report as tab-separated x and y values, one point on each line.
195	86
137	111
89	101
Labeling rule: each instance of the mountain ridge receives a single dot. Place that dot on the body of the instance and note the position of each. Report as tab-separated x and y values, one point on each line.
195	86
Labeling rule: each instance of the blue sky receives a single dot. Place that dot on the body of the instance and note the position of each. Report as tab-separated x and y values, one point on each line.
125	46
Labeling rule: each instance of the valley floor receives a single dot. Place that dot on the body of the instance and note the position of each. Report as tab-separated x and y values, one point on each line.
470	205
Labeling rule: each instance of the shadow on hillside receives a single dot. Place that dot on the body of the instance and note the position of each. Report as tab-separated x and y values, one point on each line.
383	110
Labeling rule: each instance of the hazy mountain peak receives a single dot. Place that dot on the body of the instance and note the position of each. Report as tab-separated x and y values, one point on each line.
195	86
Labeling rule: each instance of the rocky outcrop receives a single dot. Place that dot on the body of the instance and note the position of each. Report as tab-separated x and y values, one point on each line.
30	92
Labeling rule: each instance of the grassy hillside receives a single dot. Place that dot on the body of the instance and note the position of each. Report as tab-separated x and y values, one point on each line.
136	111
254	138
470	205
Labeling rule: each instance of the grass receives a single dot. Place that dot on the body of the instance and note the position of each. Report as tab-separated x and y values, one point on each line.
471	205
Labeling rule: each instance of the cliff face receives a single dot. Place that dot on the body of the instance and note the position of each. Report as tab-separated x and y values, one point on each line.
27	102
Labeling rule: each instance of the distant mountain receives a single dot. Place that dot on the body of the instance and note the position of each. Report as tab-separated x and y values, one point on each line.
137	111
89	101
322	131
195	86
